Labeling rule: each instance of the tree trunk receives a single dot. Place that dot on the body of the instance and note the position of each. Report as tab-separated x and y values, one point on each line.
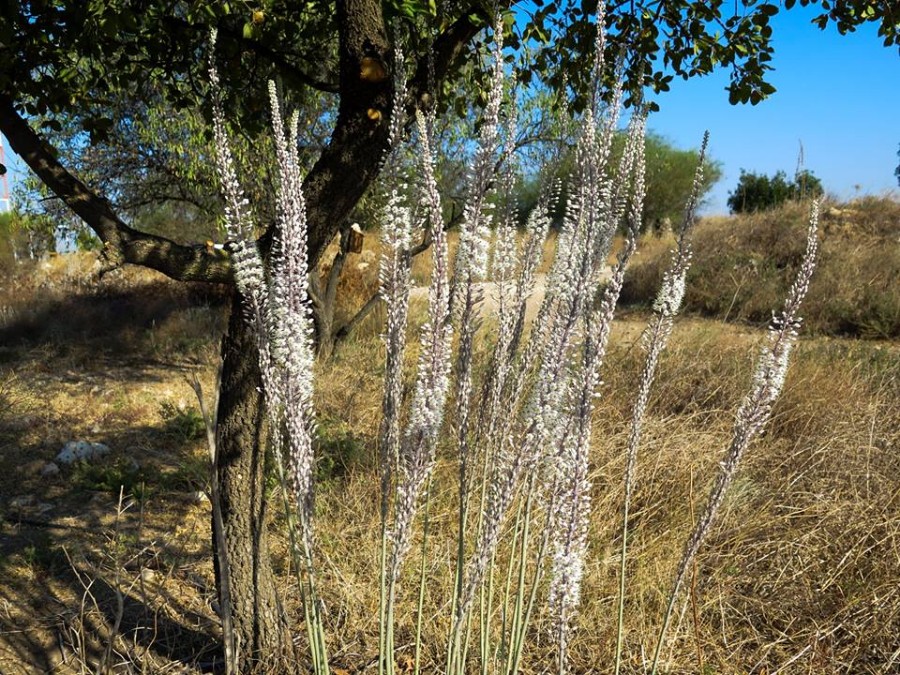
261	632
348	164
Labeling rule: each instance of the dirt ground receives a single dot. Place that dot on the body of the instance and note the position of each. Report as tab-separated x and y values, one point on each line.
117	548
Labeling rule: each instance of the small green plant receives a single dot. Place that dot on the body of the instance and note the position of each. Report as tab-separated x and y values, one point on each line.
112	477
182	421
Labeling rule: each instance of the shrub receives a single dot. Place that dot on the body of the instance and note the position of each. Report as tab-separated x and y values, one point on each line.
758	192
742	264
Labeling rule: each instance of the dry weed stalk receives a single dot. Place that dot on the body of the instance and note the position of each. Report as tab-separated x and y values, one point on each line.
754	412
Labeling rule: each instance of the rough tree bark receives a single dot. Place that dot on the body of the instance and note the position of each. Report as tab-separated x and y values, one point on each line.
261	629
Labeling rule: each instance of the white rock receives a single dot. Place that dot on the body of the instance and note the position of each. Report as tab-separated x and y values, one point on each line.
197	497
49	470
75	451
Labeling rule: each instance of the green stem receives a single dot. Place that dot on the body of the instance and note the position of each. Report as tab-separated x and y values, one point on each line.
452	644
535	582
662	631
507	627
620	629
520	590
389	621
523	628
487	606
302	562
382	599
418	648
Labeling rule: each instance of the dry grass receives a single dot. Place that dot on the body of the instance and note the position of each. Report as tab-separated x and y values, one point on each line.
803	562
801	570
743	265
97	362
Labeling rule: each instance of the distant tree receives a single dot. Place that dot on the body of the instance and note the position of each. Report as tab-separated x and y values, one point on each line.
22	236
897	170
669	177
758	192
806	185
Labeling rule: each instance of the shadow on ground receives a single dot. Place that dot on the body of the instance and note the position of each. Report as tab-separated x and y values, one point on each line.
106	564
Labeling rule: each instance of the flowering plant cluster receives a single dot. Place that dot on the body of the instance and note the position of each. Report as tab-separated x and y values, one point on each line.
521	435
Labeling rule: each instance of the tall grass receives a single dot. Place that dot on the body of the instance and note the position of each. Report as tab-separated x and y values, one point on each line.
521	430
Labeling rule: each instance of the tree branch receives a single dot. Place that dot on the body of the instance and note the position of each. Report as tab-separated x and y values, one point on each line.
122	244
357	318
444	52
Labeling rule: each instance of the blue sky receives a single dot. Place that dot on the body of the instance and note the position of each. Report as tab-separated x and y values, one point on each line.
838	95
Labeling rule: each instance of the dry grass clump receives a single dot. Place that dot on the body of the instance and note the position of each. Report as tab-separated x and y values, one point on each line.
742	264
808	567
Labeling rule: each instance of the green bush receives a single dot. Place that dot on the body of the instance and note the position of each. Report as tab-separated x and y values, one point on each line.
758	192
